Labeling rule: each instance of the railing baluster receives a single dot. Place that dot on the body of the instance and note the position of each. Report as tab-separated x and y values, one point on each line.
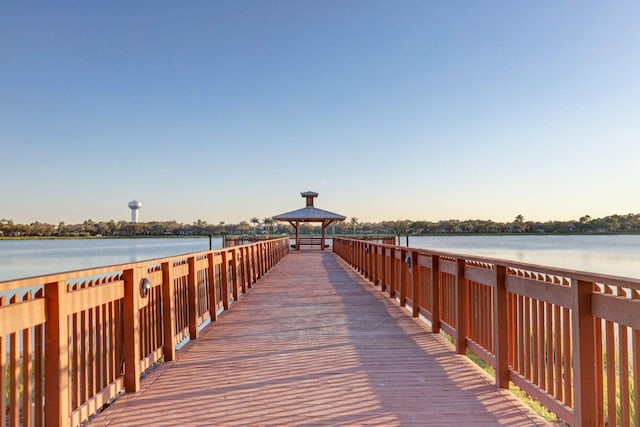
542	340
568	377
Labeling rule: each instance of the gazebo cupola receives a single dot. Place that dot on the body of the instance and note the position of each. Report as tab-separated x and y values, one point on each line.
309	214
309	195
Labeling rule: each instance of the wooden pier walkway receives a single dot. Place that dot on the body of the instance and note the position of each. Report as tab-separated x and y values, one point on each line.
313	343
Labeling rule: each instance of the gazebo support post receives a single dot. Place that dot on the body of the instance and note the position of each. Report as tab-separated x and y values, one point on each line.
325	224
296	226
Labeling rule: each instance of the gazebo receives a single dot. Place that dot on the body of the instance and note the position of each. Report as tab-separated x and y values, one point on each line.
309	214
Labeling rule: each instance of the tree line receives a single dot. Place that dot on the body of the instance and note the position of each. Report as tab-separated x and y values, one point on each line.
629	223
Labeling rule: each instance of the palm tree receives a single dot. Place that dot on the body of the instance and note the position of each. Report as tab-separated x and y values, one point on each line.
255	221
354	222
268	222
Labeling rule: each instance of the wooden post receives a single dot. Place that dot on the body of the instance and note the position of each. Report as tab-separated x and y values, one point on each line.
462	308
192	298
132	278
252	256
383	269
265	248
356	256
404	277
416	284
372	263
3	378
57	409
225	280
375	265
394	274
584	379
366	260
234	274
267	256
244	276
213	298
501	328
247	255
271	254
435	294
260	251
168	312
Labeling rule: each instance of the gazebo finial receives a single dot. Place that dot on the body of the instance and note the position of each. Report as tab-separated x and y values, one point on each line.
309	195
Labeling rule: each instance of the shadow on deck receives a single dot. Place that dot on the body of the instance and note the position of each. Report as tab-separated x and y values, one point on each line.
315	344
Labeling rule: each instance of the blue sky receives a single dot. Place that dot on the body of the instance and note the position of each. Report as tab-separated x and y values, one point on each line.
222	111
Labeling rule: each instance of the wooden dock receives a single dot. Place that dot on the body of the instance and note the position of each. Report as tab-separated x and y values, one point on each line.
314	343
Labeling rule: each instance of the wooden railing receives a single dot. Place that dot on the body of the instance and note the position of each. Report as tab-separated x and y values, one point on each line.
571	340
70	343
228	241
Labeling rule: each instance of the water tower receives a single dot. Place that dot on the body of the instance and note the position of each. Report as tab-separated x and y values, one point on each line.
134	205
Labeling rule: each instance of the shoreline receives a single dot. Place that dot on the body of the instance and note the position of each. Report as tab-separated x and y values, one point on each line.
219	236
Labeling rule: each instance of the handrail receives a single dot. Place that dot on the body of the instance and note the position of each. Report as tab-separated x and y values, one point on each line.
70	343
569	339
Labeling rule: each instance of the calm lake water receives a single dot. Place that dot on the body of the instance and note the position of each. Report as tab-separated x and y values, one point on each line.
26	258
617	255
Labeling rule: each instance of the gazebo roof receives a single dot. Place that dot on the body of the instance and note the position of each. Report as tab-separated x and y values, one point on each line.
309	213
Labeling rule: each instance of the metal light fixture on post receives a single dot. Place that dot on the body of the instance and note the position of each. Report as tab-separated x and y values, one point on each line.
145	287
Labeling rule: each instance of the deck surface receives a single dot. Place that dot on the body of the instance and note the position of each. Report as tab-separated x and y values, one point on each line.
313	343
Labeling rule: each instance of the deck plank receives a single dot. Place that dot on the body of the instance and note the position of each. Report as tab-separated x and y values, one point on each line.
315	344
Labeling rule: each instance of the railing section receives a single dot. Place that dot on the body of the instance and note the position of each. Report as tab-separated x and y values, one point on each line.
70	343
570	340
